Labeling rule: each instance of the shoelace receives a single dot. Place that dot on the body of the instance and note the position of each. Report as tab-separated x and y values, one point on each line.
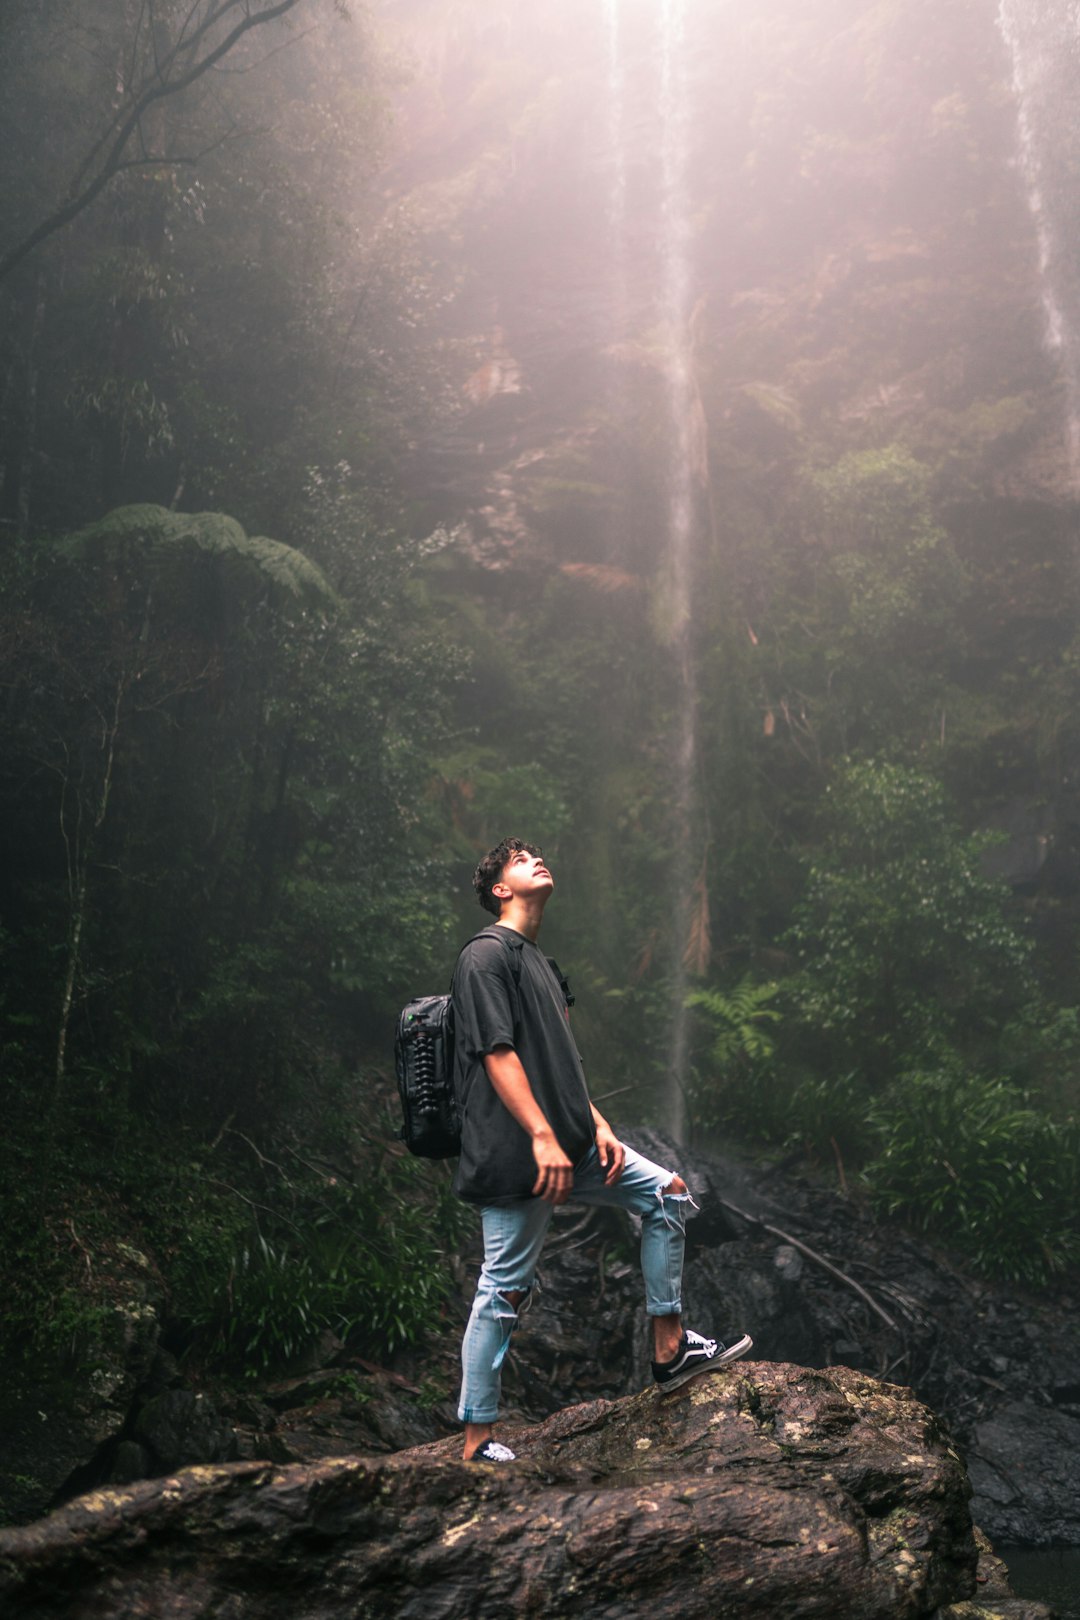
710	1345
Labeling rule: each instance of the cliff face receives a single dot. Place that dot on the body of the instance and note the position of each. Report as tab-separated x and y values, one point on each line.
861	258
783	1492
818	253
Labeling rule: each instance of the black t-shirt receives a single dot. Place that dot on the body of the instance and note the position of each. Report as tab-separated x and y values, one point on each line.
531	1016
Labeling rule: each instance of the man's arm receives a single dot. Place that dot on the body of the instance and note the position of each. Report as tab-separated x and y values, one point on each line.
555	1171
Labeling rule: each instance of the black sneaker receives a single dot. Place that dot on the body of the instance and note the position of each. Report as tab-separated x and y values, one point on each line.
493	1451
696	1355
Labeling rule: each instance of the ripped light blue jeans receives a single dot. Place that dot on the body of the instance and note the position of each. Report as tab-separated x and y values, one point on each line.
513	1237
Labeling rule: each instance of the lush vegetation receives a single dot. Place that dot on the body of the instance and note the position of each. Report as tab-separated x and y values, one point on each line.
216	745
911	1036
263	702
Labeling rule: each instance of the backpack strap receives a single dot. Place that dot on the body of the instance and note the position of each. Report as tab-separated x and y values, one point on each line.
564	982
515	946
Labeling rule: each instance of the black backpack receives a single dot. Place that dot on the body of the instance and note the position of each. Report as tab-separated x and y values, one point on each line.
424	1061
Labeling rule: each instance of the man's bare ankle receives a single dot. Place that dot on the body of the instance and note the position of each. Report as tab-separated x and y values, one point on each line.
667	1337
475	1436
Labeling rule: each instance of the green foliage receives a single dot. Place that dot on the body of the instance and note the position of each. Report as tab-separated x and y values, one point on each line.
162	544
740	1020
969	1159
233	823
892	588
739	1055
912	980
775	1106
252	1251
877	498
904	947
349	1386
262	1309
433	1391
962	444
366	1259
489	797
829	1115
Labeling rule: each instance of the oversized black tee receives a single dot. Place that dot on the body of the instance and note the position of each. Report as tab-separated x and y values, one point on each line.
505	993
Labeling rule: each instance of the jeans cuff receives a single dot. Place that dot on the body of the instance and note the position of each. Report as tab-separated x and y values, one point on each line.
672	1309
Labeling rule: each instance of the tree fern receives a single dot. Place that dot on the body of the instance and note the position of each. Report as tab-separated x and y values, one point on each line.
167	543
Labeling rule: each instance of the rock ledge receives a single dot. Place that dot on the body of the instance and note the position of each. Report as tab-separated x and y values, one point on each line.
766	1490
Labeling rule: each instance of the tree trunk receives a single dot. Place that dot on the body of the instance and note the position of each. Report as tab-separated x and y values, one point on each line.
79	857
25	479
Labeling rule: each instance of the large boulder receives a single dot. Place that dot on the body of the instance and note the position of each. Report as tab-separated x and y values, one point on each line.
1025	1465
766	1490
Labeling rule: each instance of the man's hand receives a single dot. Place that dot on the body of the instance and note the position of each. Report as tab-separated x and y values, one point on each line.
556	1173
611	1151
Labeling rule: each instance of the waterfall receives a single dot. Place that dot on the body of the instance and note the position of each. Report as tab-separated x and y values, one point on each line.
671	298
1043	41
616	101
675	115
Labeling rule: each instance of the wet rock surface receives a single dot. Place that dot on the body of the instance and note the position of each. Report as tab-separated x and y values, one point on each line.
785	1491
1024	1462
373	1452
1002	1369
994	1598
1001	1366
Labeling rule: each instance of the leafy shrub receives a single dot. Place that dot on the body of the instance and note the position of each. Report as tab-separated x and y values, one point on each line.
745	1089
741	1045
740	1020
367	1260
829	1115
971	1159
906	949
776	1109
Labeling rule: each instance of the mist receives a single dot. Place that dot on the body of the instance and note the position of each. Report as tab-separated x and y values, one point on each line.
648	428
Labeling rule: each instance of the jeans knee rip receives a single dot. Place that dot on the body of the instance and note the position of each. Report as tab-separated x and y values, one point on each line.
506	1314
503	1307
665	1198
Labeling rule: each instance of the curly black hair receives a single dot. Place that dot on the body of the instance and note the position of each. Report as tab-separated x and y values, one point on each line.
491	868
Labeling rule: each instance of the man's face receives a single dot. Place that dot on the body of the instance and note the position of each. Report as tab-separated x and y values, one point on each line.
523	877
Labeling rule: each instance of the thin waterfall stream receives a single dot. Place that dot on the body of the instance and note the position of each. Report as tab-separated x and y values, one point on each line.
675	292
670	296
1043	41
617	137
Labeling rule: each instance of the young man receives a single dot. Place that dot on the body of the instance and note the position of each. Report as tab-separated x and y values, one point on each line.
531	1139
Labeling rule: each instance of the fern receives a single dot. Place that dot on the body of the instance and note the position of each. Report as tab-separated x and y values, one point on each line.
167	542
740	1018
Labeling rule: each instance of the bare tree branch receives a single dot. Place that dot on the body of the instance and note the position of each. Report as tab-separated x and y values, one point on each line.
253	67
182	160
818	1259
151	91
127	121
